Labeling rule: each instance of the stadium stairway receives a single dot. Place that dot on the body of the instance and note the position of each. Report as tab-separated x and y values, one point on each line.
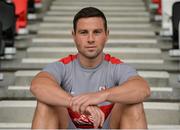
132	38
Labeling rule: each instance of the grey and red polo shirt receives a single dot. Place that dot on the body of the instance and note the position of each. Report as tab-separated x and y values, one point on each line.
75	79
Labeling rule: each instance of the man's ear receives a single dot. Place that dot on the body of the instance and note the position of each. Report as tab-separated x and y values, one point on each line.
73	33
107	35
107	32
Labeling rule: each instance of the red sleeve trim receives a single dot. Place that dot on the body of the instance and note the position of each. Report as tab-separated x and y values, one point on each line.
68	59
111	59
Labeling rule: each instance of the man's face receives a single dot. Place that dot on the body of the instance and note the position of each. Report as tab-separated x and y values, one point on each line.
90	36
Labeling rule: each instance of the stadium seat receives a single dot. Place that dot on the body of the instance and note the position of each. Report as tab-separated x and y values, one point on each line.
7	19
7	31
21	14
158	2
1	49
175	23
31	6
38	3
1	43
176	28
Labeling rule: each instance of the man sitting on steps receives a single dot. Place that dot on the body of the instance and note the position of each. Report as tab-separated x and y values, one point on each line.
90	89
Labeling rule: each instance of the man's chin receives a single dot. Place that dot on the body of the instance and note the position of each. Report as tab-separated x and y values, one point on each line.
91	55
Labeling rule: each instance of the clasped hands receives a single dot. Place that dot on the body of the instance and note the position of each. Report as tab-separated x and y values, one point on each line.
87	103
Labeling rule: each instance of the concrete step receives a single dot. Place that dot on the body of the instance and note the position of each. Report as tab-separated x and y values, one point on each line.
22	112
119	41
154	78
37	42
110	25
45	61
156	65
100	3
71	13
157	93
103	8
118	33
28	126
111	20
122	53
139	64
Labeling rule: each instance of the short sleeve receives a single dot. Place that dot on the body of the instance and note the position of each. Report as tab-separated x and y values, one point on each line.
123	72
56	69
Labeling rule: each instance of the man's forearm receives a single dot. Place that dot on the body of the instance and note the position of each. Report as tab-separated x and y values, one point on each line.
50	93
133	91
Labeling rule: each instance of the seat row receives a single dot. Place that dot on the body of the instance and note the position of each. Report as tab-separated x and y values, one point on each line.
167	12
13	22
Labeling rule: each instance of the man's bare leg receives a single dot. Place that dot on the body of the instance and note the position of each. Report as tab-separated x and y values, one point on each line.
48	117
128	117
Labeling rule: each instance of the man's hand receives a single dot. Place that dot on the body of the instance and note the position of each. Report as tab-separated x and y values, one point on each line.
81	102
97	115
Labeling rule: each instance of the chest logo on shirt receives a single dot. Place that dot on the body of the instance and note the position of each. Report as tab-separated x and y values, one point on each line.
101	88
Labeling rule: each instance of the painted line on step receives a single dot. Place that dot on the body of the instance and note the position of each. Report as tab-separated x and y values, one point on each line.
106	50
116	13
76	8
147	105
153	89
110	41
145	74
49	60
28	126
113	19
110	25
115	32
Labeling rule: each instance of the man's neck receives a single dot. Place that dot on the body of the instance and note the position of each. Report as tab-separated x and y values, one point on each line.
90	63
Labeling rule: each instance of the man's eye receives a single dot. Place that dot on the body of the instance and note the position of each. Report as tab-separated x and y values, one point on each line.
83	32
97	32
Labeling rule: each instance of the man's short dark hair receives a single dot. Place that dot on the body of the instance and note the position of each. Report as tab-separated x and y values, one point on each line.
89	12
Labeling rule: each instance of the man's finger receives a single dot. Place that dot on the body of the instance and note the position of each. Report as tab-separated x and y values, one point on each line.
84	106
102	118
76	105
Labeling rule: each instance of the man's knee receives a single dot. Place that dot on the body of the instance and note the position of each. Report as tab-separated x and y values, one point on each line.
44	117
62	114
134	112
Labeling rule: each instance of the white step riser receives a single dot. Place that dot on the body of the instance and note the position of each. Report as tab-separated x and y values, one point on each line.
110	41
77	8
24	92
110	25
160	82
115	20
136	45
28	126
104	3
106	50
159	79
129	61
155	58
99	1
108	14
23	112
112	33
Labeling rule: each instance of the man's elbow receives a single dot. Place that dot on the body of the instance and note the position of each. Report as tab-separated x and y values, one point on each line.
146	90
33	88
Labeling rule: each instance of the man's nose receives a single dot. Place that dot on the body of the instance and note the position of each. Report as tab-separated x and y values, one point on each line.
91	38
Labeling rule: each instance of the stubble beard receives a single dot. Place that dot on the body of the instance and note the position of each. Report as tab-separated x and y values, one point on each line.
91	55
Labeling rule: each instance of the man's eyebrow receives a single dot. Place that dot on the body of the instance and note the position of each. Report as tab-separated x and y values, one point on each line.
98	29
80	30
